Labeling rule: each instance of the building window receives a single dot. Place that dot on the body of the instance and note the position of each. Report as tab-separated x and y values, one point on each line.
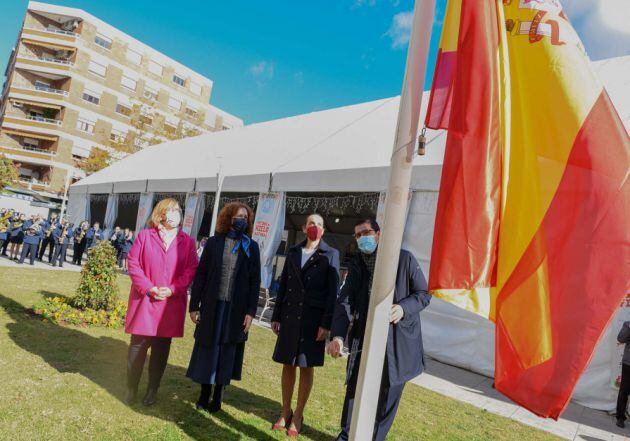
123	110
97	68
85	125
146	119
195	88
177	79
134	56
156	68
103	41
30	143
150	93
191	112
117	136
91	97
129	83
175	104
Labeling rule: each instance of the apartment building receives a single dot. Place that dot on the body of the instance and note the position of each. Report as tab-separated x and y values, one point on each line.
75	83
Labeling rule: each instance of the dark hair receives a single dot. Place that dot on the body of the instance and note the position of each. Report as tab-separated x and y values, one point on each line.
373	224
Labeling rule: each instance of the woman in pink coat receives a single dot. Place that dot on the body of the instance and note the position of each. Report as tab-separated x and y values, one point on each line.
162	263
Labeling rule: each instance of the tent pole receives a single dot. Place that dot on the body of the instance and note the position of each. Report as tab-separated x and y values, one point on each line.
401	166
217	199
64	201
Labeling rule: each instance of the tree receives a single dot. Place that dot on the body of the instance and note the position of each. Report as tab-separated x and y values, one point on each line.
98	288
97	160
8	172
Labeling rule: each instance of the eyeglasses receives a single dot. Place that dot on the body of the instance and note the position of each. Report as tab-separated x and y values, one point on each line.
364	233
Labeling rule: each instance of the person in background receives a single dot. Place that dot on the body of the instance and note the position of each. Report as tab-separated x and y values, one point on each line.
404	358
202	245
62	235
116	240
16	235
5	224
162	263
80	241
32	238
223	303
127	243
624	388
48	240
302	316
93	235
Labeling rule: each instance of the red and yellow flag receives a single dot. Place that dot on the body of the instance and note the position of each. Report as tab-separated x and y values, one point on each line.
531	228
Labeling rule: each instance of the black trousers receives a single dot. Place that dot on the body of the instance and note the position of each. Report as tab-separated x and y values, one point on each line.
79	249
4	243
50	243
388	401
624	390
60	254
30	250
138	348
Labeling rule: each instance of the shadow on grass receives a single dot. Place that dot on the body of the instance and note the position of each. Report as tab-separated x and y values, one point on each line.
102	360
51	295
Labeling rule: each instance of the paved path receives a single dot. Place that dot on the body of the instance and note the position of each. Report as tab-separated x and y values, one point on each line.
577	423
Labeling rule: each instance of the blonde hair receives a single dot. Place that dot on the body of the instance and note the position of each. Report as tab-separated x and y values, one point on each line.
160	211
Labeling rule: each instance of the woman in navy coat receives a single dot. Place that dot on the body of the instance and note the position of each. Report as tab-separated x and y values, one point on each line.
16	235
302	317
223	303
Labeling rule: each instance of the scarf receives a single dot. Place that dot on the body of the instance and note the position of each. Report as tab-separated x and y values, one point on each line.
370	263
167	236
242	240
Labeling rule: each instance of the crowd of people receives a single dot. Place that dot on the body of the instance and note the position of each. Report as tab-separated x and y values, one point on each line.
315	313
36	238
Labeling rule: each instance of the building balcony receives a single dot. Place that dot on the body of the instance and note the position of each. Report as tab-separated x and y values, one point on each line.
33	183
50	32
41	91
32	121
26	153
57	66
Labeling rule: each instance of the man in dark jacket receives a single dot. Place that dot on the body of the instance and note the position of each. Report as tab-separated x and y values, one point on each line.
32	237
404	358
48	241
624	387
62	235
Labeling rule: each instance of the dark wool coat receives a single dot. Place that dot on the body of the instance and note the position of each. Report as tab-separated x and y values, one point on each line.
405	354
305	302
205	290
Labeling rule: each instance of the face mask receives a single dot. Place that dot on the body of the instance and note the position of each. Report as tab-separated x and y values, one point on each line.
173	218
314	233
367	244
239	225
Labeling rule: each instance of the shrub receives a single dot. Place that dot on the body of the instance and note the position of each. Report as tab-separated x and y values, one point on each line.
97	288
59	310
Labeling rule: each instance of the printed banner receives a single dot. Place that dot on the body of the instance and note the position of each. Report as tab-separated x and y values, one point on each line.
145	205
268	228
189	212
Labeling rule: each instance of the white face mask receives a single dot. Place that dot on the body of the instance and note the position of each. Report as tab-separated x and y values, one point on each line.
173	218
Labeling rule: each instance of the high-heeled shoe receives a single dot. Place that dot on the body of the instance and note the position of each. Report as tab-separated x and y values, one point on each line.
287	421
291	433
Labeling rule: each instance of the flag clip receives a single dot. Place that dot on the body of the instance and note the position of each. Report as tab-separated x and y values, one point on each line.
422	141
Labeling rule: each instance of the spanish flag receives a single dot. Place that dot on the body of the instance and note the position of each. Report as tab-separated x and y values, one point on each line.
532	223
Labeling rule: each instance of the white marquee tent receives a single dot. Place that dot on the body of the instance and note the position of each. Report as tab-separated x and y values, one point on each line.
347	150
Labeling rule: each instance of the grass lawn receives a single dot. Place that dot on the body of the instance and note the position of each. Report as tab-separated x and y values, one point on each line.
68	383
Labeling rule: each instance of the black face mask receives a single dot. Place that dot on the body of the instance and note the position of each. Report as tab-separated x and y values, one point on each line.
239	225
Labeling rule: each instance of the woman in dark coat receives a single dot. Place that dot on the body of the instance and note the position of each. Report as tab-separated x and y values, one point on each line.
223	303
302	317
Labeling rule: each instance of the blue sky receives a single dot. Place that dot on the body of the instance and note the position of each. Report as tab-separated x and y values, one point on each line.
285	57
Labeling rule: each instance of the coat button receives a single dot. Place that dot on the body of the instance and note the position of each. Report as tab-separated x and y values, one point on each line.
288	303
290	290
299	317
300	303
301	339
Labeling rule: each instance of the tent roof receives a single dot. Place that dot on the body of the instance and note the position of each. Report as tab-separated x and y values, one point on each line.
342	149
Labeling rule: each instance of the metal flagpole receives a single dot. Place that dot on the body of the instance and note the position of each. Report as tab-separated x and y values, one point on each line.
375	340
217	199
64	201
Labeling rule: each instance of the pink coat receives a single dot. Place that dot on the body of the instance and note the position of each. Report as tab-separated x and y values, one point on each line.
151	265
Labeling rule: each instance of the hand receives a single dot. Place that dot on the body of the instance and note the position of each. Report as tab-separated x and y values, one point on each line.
322	334
396	314
194	316
335	347
275	327
155	293
165	292
247	323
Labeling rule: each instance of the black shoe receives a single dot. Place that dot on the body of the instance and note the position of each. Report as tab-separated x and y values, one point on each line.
150	398
214	406
201	406
131	397
620	423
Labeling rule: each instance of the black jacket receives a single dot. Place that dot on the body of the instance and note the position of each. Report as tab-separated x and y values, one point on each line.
405	354
205	289
305	302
